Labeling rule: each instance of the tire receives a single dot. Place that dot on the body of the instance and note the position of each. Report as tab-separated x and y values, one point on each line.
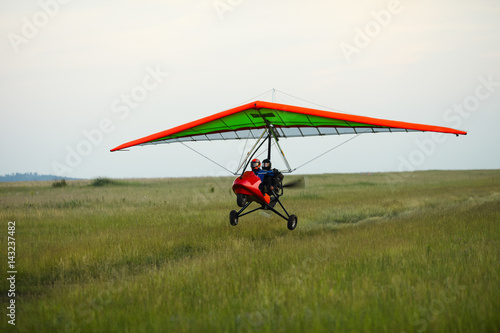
233	217
241	200
292	222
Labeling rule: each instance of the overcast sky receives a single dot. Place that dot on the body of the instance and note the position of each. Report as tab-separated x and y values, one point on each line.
78	78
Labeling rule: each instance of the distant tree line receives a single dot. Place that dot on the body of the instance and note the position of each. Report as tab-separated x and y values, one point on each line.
30	176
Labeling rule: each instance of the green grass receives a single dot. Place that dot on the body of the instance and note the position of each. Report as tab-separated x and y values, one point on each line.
382	252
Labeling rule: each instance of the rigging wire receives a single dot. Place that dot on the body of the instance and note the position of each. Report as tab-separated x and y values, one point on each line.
252	99
273	145
326	152
280	153
250	152
243	150
264	151
208	158
303	100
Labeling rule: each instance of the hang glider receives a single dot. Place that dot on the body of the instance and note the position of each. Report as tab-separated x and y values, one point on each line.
248	120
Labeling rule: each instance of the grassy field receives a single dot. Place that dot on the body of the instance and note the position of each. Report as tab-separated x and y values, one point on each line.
408	252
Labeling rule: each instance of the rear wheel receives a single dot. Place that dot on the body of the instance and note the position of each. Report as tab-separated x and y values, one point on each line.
233	217
292	222
241	200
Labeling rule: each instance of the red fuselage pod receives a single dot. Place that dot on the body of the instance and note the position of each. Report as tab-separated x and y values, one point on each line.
248	185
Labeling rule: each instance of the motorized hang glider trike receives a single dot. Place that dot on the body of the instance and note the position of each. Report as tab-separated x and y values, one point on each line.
269	122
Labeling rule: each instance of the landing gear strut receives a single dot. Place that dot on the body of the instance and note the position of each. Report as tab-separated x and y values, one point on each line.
291	219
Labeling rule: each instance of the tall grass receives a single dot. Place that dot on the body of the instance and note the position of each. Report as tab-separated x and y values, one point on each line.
383	252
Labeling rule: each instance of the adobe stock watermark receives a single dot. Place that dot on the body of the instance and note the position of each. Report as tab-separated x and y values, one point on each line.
31	27
121	107
453	116
223	6
364	36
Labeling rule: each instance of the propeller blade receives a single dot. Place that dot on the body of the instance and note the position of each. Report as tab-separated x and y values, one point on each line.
296	183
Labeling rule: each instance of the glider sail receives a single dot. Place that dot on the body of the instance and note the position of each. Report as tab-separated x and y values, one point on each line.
248	120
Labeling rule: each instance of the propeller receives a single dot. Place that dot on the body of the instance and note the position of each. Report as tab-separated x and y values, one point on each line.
296	183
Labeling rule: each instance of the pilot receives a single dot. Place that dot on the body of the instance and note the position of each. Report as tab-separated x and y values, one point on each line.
255	165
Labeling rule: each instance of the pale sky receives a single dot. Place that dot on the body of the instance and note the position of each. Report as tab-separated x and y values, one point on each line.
78	78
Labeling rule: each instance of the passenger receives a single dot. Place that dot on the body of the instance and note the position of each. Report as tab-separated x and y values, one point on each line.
271	177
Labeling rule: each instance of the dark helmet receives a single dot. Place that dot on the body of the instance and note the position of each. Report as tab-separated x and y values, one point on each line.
266	164
255	164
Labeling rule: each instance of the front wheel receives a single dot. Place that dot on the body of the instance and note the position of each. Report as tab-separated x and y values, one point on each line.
292	222
233	217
